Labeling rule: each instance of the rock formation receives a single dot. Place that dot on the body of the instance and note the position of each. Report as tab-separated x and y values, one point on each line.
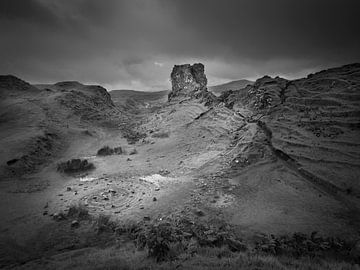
189	81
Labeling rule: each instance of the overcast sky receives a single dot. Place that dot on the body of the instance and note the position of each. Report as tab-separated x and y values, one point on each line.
133	44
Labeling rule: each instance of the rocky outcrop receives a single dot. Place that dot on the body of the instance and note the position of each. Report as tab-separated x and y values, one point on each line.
11	84
189	81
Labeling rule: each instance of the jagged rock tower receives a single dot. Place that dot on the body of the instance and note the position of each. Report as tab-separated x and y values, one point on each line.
188	81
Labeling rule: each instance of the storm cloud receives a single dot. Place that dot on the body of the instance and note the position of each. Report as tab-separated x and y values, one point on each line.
133	44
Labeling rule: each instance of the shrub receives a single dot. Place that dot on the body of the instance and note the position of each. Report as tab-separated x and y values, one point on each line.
107	151
104	224
133	136
75	166
78	211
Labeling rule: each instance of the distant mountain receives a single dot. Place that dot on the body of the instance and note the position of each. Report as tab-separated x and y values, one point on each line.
233	85
132	100
139	95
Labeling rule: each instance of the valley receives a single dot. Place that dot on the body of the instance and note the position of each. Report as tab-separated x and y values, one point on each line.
268	160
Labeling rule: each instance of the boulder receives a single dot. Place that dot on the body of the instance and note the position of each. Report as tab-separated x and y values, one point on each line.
189	81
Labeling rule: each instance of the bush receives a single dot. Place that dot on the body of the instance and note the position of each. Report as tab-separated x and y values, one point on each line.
75	166
133	136
78	211
107	151
104	224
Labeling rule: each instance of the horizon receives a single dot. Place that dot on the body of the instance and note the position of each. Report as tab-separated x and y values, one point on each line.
210	85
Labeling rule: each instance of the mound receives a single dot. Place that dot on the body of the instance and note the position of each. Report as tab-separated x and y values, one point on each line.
38	122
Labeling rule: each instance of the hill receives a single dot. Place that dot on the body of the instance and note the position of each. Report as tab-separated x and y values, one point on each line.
36	121
233	85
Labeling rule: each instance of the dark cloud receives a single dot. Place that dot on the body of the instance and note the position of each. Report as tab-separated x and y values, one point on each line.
135	43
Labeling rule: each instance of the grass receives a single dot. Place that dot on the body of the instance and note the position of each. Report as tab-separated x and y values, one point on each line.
127	258
101	243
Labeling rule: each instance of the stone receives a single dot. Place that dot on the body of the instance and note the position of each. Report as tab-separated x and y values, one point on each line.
199	213
68	189
75	224
58	216
164	172
154	199
189	81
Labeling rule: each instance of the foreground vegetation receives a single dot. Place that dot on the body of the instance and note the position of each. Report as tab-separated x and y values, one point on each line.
172	243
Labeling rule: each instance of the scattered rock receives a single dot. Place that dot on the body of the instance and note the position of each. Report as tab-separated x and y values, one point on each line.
133	152
199	213
75	224
58	216
164	172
